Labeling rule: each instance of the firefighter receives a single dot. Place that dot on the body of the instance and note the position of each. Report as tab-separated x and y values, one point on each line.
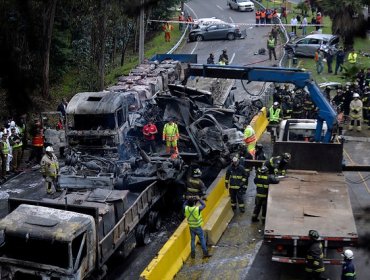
366	108
262	181
282	167
236	180
314	258
250	140
194	217
16	143
348	268
4	151
149	132
194	185
308	107
260	154
171	135
355	112
50	169
273	164
287	107
37	134
274	115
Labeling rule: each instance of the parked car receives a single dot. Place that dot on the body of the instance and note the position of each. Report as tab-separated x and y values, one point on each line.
307	45
216	31
240	5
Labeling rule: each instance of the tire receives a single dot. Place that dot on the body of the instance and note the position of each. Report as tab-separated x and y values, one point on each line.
154	221
230	36
142	235
199	38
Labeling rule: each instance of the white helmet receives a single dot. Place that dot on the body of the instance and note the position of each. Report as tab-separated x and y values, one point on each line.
49	149
356	95
276	103
12	124
348	254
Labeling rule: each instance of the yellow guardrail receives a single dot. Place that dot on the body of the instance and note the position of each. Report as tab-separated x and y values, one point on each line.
177	249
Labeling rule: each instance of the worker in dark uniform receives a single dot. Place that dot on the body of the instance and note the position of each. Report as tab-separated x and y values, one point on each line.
282	167
348	268
260	154
194	185
273	164
262	181
243	162
314	258
297	108
287	107
236	179
308	107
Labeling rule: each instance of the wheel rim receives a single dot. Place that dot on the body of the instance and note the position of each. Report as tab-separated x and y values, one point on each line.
199	38
231	36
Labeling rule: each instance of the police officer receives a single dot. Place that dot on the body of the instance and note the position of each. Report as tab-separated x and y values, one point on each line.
314	258
348	268
50	169
194	185
262	181
171	135
236	180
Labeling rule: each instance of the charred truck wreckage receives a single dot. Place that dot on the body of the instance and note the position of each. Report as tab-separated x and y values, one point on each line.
112	186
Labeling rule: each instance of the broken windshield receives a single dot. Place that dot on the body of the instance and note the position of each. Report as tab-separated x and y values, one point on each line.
94	122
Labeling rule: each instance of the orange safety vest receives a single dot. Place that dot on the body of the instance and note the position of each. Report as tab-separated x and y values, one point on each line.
38	141
258	15
263	14
269	16
274	14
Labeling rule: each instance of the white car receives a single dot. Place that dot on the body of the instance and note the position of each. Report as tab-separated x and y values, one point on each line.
240	5
203	22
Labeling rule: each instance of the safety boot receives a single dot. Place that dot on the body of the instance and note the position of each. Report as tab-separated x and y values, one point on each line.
207	255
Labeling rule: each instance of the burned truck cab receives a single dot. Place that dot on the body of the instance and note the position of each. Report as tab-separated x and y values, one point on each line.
97	122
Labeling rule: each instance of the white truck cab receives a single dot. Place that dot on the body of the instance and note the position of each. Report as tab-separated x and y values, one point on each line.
299	130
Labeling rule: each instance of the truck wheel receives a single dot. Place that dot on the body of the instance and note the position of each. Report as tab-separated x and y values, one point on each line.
142	235
154	221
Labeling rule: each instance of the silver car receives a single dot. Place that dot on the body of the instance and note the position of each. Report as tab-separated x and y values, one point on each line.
240	5
307	45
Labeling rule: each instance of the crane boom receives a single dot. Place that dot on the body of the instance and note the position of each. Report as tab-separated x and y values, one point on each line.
297	77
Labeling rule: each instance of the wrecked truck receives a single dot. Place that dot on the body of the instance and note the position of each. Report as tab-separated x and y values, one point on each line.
73	236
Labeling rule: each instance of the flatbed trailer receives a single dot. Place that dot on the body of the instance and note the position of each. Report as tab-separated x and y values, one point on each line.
306	200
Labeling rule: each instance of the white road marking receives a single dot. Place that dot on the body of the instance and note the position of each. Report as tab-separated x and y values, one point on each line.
231	20
195	47
250	27
220	7
232	58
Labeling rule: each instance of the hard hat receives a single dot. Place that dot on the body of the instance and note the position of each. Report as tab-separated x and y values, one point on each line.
235	159
12	124
197	172
314	234
276	103
356	95
49	149
286	156
348	254
182	13
263	169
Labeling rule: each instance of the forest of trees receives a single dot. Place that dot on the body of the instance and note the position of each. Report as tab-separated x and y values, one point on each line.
42	40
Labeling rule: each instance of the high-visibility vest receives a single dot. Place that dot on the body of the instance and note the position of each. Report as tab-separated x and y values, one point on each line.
167	28
274	115
352	57
271	43
263	14
5	148
249	135
38	141
49	166
193	216
170	132
258	15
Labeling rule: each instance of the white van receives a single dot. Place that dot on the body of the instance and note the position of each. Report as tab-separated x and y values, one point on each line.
299	130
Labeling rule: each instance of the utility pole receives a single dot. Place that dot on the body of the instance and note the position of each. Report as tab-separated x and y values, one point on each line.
141	32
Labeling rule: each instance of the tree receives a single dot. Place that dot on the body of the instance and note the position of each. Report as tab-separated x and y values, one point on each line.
347	18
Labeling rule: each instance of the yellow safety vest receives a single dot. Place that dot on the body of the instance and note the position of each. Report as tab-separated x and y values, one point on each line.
274	116
170	131
352	57
193	216
5	148
271	43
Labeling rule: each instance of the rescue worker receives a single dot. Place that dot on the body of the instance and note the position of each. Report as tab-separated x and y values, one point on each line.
274	115
352	57
366	108
224	57
149	132
16	143
348	268
273	164
181	19
4	151
211	59
167	28
308	107
37	135
263	16
314	258
194	217
260	154
258	17
284	161
50	170
236	181
271	44
297	108
355	112
171	135
262	181
194	185
250	140
287	107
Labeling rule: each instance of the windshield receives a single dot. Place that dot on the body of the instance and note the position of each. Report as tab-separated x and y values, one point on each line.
53	253
94	122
